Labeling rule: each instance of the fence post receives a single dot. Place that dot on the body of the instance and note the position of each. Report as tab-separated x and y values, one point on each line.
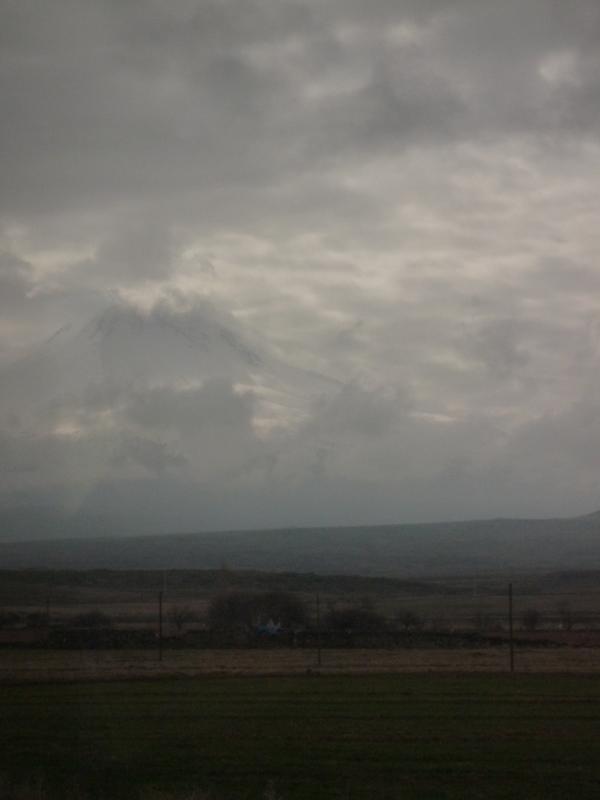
318	630
160	626
510	627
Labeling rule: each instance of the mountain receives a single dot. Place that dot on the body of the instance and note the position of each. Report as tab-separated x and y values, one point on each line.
136	402
453	548
125	349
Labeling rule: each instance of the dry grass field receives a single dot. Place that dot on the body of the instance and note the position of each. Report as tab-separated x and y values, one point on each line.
41	665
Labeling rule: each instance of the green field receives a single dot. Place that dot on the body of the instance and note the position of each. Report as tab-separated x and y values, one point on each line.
409	736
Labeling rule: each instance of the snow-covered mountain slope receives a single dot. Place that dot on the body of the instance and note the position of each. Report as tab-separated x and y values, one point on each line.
125	349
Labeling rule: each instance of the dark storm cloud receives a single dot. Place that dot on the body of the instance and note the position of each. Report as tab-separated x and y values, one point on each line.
391	208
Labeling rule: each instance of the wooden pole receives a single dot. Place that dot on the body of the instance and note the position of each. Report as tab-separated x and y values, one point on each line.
318	630
510	627
160	626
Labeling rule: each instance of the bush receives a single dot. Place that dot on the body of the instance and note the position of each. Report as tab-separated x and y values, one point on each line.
244	610
179	615
409	620
566	616
37	619
355	620
92	619
530	619
8	619
484	621
284	608
440	624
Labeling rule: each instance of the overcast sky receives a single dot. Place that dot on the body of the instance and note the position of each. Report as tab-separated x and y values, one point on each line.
310	262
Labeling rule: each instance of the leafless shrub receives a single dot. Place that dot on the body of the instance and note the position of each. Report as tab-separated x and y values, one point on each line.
530	619
180	615
245	610
8	619
409	620
92	619
355	620
37	619
483	621
567	617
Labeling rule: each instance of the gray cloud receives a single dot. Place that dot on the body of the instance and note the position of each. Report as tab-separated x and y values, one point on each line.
281	263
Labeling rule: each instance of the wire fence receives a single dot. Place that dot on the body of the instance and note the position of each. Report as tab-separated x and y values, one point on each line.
172	620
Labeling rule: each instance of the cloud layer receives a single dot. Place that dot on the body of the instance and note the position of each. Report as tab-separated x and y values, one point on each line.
348	256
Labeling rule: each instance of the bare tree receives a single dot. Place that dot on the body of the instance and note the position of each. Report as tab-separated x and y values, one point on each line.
409	620
92	619
355	620
530	619
37	619
180	615
8	619
245	610
566	615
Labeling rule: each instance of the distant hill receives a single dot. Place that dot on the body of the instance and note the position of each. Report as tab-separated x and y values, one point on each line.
453	548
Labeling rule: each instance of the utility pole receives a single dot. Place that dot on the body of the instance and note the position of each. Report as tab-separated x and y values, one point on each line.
510	627
478	605
48	602
318	630
160	626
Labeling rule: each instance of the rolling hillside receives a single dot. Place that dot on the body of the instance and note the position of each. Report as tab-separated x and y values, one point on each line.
452	548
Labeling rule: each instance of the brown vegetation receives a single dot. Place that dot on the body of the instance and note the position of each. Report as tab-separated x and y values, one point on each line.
53	665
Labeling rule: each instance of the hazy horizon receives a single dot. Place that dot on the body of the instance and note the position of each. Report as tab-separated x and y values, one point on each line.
49	525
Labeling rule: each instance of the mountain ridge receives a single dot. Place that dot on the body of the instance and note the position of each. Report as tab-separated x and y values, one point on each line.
414	549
